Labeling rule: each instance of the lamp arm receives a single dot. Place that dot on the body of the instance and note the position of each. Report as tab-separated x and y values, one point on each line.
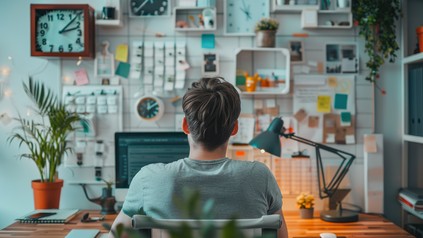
347	159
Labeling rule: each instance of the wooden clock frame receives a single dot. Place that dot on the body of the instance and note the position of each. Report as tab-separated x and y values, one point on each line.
89	30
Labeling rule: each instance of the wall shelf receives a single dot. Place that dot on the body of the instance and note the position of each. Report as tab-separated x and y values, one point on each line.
191	16
416	58
98	6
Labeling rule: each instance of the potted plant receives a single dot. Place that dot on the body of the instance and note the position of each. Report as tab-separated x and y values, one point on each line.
377	23
266	32
305	202
45	138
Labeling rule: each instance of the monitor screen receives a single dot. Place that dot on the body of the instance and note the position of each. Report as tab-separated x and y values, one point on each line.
137	149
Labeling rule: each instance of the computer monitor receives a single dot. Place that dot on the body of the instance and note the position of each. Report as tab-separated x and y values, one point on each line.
133	150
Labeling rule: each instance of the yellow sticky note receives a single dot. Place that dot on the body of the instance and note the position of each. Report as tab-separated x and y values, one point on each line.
122	53
332	82
323	103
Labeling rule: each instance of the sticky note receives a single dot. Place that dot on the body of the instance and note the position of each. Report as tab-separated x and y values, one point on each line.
122	53
270	103
332	82
323	103
330	138
312	63
313	121
345	119
350	139
370	144
183	65
341	101
300	115
81	77
207	41
258	104
123	69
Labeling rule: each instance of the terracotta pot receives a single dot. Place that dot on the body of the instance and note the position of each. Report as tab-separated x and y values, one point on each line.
419	31
265	38
306	213
46	194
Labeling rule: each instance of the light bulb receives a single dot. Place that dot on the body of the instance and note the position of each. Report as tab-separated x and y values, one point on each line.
262	151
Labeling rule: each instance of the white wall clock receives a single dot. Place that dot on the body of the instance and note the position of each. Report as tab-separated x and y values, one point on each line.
149	8
149	108
241	16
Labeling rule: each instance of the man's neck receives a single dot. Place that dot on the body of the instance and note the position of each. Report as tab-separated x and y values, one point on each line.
198	152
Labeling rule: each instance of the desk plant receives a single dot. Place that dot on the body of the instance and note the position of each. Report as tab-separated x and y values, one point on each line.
377	23
305	202
45	138
266	32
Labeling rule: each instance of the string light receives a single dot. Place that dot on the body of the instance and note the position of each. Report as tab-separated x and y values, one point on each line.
79	61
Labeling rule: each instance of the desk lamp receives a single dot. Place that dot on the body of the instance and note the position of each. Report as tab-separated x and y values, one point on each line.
269	141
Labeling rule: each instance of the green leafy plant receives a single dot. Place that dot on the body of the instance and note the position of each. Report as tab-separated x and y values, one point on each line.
268	24
45	136
377	23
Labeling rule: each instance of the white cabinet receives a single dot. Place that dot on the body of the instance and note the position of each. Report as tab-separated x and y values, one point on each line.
270	64
101	19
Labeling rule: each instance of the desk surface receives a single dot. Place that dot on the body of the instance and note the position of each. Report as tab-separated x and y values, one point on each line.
367	226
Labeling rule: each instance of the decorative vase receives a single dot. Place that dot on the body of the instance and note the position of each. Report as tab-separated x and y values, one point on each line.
419	31
47	194
306	213
265	38
342	3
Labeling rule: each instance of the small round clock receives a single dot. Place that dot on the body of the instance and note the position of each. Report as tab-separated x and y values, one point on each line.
62	30
149	108
241	16
143	8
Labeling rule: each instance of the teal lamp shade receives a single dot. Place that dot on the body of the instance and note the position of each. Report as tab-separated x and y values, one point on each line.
269	140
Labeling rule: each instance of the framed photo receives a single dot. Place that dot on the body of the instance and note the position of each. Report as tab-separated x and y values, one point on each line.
296	49
341	58
104	66
210	64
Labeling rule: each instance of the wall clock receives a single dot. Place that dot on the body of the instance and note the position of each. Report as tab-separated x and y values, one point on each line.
62	30
149	8
241	16
149	108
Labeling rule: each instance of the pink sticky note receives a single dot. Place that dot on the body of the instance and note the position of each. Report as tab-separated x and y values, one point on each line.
81	77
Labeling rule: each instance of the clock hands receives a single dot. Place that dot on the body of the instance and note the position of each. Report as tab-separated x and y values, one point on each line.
142	5
150	106
246	10
70	29
67	25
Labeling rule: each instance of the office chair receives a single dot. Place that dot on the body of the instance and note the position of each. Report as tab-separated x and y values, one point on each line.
267	225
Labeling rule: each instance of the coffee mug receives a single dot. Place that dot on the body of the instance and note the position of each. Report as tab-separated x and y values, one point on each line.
108	13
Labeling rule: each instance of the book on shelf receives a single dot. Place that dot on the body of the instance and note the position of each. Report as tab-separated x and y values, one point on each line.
412	198
48	216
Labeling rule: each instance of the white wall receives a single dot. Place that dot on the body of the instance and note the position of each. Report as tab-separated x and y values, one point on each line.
15	175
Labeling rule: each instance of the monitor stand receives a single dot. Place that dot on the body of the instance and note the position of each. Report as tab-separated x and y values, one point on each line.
336	213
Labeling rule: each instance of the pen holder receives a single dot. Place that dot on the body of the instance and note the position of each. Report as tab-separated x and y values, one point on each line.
106	201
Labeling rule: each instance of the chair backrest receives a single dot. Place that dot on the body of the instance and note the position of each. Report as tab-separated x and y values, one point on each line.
268	224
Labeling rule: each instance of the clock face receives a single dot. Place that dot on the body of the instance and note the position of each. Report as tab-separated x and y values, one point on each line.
150	108
241	16
60	30
149	7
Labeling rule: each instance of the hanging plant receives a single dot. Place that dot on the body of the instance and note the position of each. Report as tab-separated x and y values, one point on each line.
377	23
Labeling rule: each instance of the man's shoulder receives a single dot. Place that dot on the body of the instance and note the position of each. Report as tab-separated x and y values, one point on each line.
160	167
251	165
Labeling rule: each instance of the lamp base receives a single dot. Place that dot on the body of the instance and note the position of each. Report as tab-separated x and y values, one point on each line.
339	216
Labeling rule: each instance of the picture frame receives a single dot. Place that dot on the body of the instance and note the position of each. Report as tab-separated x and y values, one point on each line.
104	66
210	64
341	58
296	50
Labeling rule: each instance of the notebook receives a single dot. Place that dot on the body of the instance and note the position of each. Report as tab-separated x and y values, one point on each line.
49	216
82	233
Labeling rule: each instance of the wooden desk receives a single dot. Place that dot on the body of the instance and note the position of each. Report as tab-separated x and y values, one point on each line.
369	226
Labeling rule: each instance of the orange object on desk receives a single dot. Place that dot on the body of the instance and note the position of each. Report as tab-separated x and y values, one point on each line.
251	82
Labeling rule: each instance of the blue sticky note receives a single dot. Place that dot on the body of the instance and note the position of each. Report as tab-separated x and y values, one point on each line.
207	41
123	69
345	119
341	101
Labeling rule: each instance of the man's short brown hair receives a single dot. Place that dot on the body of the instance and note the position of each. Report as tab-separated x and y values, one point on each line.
212	107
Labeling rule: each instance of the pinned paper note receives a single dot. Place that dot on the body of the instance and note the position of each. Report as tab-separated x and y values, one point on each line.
370	144
341	101
345	119
123	69
300	115
122	53
258	104
323	103
207	41
332	82
81	77
183	65
330	138
270	103
349	139
313	121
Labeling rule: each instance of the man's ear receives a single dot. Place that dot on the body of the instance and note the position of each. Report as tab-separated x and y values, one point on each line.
185	128
235	130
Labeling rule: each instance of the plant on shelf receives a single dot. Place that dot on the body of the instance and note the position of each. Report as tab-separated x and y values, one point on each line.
305	202
266	32
377	22
45	138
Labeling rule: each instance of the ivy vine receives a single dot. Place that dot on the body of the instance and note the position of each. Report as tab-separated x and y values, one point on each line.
377	25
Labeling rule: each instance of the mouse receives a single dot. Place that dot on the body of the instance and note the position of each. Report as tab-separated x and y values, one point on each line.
327	235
